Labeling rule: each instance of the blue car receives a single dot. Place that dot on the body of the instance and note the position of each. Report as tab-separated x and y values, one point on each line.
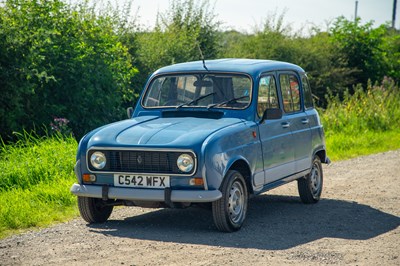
208	132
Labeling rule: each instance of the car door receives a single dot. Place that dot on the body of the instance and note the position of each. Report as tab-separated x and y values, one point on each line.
297	119
275	135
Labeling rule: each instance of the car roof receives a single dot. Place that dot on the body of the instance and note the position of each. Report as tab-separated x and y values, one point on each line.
252	67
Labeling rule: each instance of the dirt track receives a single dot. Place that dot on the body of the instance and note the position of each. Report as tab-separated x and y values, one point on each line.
357	223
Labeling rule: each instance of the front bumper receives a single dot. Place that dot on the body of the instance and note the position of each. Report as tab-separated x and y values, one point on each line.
93	191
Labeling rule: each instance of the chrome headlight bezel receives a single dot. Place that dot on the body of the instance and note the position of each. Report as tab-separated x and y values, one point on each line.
98	160
185	163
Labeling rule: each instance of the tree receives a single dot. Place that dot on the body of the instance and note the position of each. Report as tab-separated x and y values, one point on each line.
315	54
177	36
59	61
362	47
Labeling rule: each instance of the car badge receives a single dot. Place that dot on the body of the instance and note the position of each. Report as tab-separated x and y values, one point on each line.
139	159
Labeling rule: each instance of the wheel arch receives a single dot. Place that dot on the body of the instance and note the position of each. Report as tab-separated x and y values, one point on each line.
243	167
322	155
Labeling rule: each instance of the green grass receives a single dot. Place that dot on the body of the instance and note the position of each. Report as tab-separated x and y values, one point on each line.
342	146
364	123
36	174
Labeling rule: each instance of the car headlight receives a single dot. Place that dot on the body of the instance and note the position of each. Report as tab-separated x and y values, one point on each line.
185	163
98	160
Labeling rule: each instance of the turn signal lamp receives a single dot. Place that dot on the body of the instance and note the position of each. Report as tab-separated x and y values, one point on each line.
197	181
89	178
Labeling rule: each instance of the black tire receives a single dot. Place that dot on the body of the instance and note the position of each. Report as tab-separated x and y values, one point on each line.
94	210
310	187
229	212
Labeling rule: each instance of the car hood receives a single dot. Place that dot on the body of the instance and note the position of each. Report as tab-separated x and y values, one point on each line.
177	132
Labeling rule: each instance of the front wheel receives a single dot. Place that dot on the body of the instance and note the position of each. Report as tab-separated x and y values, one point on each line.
310	187
94	210
229	212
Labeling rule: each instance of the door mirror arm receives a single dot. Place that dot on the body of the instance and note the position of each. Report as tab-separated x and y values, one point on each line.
129	112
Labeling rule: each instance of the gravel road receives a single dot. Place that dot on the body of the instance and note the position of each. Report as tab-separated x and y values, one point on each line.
356	222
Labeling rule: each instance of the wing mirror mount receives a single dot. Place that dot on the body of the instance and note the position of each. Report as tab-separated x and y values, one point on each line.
129	112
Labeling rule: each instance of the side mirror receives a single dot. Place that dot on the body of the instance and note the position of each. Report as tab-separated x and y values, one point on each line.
272	114
129	112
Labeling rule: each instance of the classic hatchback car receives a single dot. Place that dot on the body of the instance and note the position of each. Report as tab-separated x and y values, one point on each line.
214	132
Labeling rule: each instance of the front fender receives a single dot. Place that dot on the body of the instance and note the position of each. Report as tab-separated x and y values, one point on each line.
224	147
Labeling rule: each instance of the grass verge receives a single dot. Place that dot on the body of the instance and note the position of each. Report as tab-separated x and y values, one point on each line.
34	182
342	146
363	123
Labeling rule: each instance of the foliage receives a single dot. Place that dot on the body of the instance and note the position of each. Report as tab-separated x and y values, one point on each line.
375	109
391	46
177	36
36	175
59	61
363	123
33	160
363	48
60	126
273	41
316	53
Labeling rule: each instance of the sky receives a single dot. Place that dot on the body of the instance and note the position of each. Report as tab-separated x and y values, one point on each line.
244	15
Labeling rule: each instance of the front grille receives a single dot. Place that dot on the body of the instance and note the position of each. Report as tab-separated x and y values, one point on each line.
126	161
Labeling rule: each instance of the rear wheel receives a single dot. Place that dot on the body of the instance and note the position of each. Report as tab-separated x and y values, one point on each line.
229	212
310	187
94	210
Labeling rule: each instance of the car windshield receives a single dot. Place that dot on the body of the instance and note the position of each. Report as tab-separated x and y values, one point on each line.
199	90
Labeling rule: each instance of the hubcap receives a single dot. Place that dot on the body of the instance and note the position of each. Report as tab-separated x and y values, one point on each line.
236	202
315	179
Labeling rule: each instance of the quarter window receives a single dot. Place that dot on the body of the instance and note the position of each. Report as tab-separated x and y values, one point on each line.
267	95
308	101
290	93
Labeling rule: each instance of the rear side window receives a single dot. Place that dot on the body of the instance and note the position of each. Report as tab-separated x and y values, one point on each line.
308	101
290	93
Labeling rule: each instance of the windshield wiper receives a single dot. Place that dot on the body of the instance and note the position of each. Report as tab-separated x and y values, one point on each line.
226	102
195	100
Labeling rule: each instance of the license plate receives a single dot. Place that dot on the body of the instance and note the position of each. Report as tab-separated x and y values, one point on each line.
145	181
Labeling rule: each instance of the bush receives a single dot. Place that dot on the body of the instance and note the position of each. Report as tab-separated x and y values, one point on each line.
177	36
363	123
60	61
375	109
316	53
363	48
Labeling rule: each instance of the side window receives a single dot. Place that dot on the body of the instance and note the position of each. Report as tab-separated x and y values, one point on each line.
308	101
267	95
290	93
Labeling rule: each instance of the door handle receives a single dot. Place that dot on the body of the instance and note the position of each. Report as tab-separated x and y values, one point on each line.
305	121
285	124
